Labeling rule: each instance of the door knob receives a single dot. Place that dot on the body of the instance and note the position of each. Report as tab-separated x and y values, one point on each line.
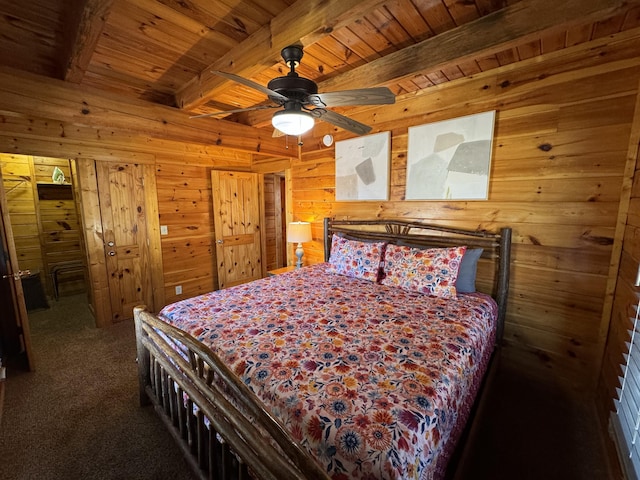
220	242
112	253
19	274
110	244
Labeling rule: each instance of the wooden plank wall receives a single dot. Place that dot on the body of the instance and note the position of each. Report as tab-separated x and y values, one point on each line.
185	208
47	117
46	231
188	253
626	292
561	136
18	187
60	234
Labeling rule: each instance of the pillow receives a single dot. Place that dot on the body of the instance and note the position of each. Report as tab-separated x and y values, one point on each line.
357	259
432	271
466	282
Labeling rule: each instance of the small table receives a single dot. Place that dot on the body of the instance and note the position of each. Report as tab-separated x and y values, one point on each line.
278	271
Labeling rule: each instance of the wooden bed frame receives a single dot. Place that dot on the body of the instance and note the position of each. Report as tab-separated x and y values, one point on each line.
241	439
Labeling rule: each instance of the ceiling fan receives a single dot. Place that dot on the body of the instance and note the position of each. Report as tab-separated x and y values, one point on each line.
301	102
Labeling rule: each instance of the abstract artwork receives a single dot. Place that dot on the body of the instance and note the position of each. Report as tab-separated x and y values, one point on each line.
362	167
450	160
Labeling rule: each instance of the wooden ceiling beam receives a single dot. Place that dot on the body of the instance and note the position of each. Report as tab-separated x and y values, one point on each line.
495	32
305	22
40	97
84	22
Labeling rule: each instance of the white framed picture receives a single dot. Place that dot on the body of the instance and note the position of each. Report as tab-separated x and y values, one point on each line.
451	160
362	167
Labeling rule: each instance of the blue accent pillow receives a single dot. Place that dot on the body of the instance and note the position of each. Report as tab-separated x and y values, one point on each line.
466	282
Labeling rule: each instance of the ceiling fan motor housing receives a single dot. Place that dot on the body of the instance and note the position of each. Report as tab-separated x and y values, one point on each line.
297	88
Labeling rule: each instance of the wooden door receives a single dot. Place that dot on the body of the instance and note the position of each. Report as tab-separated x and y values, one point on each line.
15	320
238	214
124	226
275	254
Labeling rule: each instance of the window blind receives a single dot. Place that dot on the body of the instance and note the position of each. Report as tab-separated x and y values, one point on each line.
626	418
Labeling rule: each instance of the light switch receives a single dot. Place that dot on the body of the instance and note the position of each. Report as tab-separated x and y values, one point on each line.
164	230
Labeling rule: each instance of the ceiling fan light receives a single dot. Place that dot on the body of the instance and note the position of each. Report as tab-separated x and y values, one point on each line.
292	123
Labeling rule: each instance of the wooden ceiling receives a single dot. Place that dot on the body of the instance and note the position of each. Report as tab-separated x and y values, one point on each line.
163	51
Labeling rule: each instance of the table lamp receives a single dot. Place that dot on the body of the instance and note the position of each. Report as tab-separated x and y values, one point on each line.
299	232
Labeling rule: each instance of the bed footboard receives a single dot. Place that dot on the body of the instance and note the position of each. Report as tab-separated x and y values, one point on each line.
218	422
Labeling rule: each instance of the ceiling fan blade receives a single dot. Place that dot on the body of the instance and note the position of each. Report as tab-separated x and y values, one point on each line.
237	110
275	96
361	96
341	121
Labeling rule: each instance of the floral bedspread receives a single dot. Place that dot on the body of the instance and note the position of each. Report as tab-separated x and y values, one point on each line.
376	382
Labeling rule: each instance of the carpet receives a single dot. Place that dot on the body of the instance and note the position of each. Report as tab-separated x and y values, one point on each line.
77	415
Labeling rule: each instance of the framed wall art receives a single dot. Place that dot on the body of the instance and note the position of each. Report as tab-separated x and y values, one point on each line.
362	167
451	160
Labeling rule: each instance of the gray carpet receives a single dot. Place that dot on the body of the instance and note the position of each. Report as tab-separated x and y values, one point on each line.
532	430
77	416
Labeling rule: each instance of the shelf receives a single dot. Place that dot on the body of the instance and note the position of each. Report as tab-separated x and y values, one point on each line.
55	191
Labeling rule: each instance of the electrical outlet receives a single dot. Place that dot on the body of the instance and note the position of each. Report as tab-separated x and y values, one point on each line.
164	230
179	290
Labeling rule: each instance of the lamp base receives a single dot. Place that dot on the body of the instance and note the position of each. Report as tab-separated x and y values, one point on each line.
299	254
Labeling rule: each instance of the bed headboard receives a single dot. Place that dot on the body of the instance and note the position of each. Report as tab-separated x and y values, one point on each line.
496	246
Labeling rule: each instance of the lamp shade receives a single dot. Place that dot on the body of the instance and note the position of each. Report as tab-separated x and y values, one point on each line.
299	232
292	122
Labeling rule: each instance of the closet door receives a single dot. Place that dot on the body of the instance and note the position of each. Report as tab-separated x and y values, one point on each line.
124	228
238	215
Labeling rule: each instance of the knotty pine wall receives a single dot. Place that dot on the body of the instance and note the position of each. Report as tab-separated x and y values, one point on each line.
626	293
46	231
186	209
560	149
184	203
46	117
21	197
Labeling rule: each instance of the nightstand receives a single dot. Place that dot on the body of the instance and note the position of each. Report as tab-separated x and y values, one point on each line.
278	271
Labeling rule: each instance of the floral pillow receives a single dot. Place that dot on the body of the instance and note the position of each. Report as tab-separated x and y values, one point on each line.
432	271
357	259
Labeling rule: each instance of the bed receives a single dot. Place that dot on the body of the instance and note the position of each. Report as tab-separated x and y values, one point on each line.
366	366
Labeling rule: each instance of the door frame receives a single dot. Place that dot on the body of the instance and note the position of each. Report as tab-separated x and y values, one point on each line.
290	258
288	183
91	220
15	286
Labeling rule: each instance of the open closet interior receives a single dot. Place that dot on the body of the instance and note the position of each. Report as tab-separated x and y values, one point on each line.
41	193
